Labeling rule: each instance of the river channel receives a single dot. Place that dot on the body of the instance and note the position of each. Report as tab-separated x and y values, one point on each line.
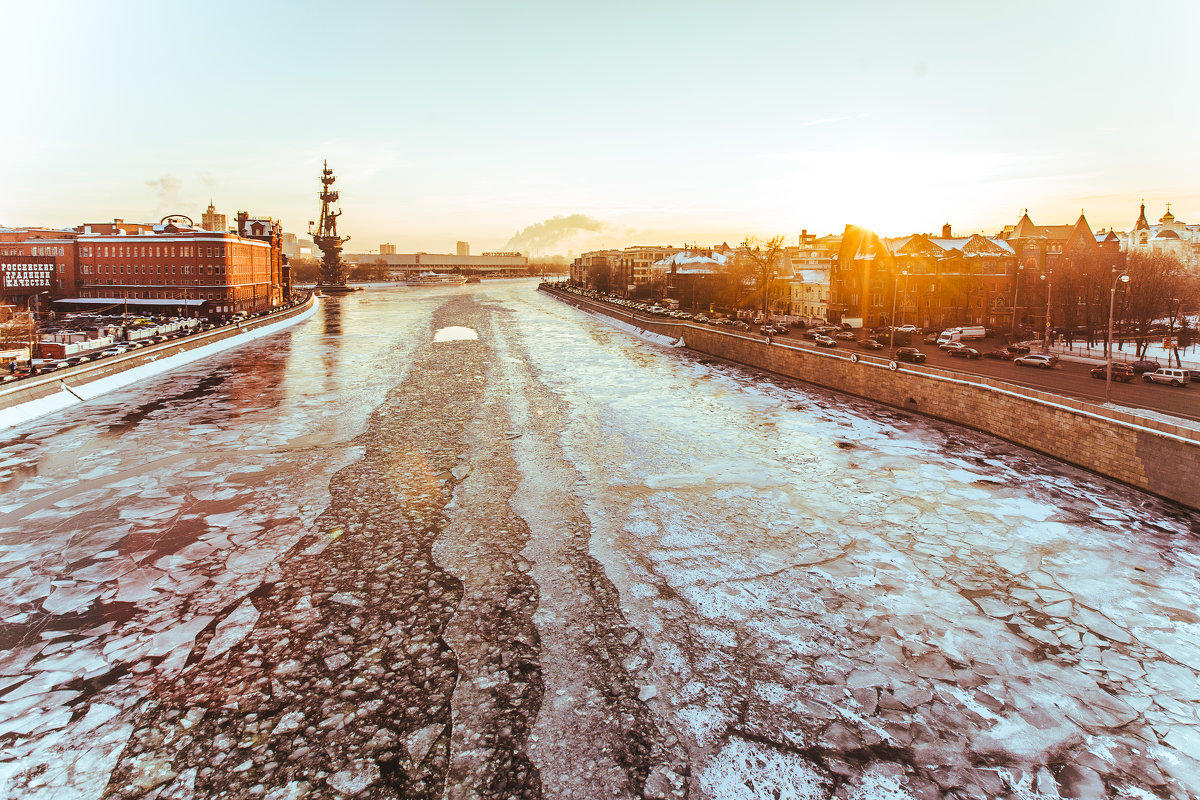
472	542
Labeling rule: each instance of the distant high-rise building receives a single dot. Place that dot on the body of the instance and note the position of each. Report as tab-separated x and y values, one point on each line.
464	249
387	249
212	221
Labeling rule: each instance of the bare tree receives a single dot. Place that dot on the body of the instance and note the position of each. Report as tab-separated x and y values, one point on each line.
305	270
1187	310
764	260
1157	281
737	279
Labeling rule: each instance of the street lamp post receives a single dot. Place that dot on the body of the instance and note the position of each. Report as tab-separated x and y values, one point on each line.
1016	294
1049	278
1112	296
892	319
1171	339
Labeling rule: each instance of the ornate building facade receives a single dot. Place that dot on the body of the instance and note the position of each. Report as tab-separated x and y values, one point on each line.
1170	236
163	268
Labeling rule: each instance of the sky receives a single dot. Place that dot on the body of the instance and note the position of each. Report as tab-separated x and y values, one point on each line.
590	125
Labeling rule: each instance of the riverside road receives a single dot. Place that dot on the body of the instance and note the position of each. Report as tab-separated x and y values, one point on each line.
470	542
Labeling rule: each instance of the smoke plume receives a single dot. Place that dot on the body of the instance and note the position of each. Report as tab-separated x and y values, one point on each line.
168	194
559	235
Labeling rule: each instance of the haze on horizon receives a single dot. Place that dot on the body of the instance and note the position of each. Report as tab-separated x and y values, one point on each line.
590	126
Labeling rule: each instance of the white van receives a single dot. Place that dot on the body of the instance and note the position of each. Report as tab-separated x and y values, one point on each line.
961	333
1168	375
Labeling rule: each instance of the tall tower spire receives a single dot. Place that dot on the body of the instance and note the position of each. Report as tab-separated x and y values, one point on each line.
1141	224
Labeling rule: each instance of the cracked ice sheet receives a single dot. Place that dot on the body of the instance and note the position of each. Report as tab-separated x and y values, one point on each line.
133	522
763	530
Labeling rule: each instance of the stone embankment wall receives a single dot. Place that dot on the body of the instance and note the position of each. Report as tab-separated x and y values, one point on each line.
1154	456
37	387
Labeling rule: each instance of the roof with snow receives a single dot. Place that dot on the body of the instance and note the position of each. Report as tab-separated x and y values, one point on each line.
974	245
693	263
812	276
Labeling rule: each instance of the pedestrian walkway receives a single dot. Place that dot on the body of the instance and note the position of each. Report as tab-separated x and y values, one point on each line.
1189	358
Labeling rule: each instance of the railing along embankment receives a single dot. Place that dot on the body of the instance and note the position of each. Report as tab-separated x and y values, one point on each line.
71	383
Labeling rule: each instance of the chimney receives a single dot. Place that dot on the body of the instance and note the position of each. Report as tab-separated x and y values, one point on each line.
946	231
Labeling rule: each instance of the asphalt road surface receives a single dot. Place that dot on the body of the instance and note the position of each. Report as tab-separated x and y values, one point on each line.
1069	378
470	542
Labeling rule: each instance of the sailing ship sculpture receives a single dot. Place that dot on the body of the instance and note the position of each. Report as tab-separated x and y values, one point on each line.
333	271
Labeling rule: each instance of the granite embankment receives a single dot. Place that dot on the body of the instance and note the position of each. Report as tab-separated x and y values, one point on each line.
1151	455
76	378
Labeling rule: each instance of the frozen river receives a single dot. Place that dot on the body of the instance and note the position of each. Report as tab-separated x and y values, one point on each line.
471	542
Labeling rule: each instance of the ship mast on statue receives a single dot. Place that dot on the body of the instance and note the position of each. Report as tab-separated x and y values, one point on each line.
333	272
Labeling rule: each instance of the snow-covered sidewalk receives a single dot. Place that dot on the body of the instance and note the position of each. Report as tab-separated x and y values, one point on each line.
79	393
1188	357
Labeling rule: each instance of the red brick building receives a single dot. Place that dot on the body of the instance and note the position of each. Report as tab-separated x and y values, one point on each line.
1062	256
922	280
1041	248
36	265
265	229
174	266
163	268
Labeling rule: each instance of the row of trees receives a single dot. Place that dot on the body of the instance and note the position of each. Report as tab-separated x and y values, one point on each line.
1160	291
747	280
308	270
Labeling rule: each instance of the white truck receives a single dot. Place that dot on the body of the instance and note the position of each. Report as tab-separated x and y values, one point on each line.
964	333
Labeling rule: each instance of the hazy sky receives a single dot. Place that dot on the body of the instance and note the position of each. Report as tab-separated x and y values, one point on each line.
660	122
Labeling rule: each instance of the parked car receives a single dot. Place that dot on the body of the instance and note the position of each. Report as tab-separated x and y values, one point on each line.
1036	360
1120	372
964	352
1019	349
1171	376
73	360
1147	365
869	344
825	341
112	351
910	354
